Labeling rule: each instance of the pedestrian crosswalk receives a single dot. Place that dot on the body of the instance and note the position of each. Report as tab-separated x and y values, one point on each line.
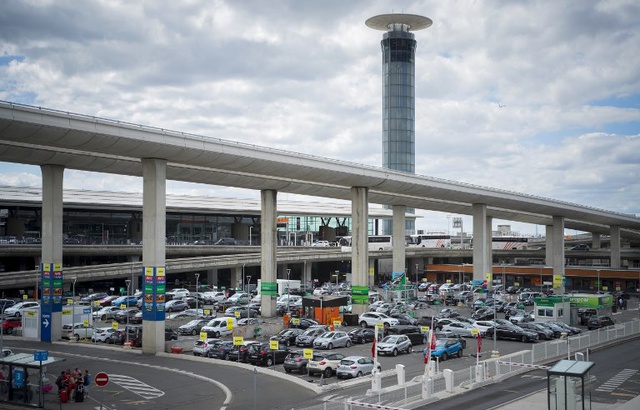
614	382
136	386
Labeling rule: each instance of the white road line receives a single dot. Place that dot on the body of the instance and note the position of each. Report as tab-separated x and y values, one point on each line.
615	381
136	386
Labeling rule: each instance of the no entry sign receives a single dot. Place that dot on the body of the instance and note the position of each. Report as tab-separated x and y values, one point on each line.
102	379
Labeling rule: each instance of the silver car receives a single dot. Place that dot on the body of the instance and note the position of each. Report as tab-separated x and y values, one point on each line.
330	340
355	366
394	344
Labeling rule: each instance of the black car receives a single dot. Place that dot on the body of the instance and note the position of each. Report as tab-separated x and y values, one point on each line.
126	315
580	247
597	322
557	330
361	335
303	323
414	333
260	354
241	353
512	332
585	315
570	330
287	337
483	314
221	350
543	332
295	361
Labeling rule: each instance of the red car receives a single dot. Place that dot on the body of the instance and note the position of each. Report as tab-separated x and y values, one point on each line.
107	301
11	323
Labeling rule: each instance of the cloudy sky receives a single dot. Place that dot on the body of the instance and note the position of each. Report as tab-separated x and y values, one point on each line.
540	97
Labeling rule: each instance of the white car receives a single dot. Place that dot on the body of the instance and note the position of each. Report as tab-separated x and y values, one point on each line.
462	329
179	293
77	331
371	319
394	344
215	296
321	243
484	325
102	334
18	309
106	313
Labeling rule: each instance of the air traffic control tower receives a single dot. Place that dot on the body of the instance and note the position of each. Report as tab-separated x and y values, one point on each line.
398	93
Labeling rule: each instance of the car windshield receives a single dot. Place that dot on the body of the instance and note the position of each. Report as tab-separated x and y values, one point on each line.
389	339
441	343
346	362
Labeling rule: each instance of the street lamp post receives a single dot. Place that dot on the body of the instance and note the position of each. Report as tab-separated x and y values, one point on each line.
288	292
417	266
197	293
248	304
126	330
73	306
337	276
250	232
598	280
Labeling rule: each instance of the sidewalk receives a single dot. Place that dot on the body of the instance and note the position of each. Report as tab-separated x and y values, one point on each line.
538	401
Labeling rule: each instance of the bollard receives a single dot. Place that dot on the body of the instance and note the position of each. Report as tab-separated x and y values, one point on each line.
479	373
427	387
448	379
376	381
401	374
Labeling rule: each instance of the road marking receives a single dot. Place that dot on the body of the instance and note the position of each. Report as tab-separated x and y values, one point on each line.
615	382
136	386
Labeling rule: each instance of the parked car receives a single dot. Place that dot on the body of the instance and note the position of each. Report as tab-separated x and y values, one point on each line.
262	355
404	319
325	363
330	340
371	319
597	322
445	348
450	335
9	324
102	334
176	305
361	335
483	314
5	303
304	323
221	349
243	312
462	329
106	313
94	296
570	330
122	315
178	293
192	327
241	353
543	332
355	366
287	337
512	332
124	300
580	247
521	316
201	347
18	309
295	361
585	315
76	331
414	333
394	344
557	330
309	335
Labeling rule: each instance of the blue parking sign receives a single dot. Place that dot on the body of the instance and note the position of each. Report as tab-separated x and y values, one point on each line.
18	378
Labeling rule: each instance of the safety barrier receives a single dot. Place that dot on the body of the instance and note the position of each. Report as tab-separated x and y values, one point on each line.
422	390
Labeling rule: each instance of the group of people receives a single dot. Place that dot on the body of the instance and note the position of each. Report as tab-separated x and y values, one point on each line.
75	383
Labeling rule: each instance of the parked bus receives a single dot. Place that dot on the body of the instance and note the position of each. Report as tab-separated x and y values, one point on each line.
507	243
430	240
376	243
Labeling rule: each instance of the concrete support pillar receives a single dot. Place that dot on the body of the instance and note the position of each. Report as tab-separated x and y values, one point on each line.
371	272
359	249
52	279
399	260
306	272
154	231
212	277
548	250
269	268
557	255
615	246
236	277
596	241
480	241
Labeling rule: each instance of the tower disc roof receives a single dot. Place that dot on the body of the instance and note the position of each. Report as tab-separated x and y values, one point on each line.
413	21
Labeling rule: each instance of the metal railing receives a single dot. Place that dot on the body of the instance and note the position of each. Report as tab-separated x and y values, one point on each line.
491	370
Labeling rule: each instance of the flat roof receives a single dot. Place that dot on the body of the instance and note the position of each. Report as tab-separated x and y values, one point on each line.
128	201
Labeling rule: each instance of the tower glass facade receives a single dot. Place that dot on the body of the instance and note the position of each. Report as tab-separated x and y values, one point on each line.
398	106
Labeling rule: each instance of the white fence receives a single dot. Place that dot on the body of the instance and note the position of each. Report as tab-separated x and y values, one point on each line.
489	371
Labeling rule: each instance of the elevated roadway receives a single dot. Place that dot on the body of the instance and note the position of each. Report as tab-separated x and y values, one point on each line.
37	136
181	258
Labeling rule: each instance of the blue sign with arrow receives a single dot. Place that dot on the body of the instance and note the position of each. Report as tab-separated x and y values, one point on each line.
45	326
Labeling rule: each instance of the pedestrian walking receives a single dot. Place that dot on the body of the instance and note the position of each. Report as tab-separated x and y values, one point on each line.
86	382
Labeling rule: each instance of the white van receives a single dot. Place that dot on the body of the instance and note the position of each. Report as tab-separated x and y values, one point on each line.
220	326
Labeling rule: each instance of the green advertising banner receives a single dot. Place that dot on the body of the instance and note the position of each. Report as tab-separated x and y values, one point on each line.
269	288
360	295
